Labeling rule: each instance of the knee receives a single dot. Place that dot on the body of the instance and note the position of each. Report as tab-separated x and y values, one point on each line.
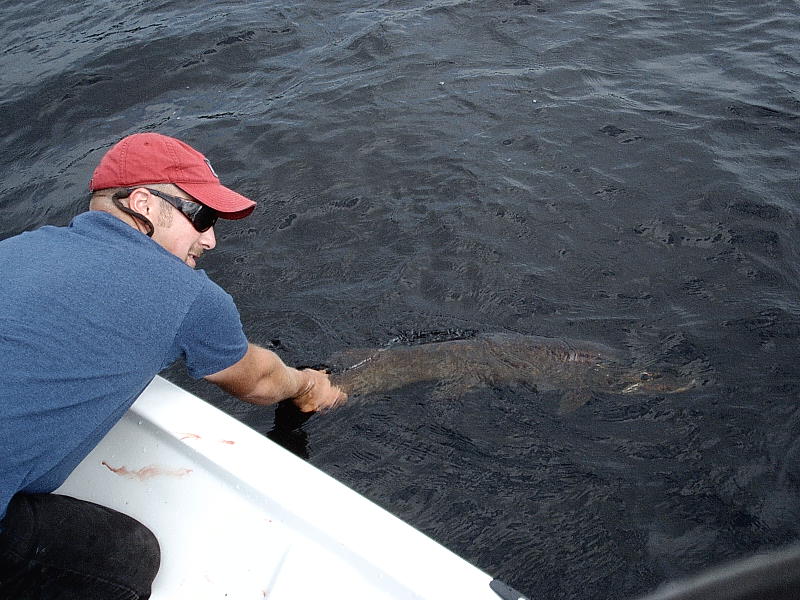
115	544
151	549
71	535
144	546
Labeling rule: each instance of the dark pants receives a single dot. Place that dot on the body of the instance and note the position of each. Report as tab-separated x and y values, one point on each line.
56	547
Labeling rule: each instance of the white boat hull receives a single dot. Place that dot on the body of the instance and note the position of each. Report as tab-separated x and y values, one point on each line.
239	517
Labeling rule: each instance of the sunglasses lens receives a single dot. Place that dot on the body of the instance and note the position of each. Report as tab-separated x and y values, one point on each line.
201	216
204	219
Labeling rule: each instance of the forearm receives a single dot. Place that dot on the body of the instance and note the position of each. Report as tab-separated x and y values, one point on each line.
261	377
273	379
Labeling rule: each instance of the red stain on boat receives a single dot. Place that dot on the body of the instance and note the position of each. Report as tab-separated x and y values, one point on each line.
147	472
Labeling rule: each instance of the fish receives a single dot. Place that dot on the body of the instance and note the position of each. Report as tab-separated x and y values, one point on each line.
577	368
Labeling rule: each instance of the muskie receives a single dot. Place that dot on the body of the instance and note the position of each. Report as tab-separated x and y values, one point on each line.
576	367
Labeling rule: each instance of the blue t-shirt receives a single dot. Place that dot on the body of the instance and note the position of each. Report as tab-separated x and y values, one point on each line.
89	314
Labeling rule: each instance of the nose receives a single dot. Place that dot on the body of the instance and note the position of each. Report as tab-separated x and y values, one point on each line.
208	239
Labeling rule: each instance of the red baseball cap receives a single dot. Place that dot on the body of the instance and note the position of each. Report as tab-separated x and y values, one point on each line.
146	158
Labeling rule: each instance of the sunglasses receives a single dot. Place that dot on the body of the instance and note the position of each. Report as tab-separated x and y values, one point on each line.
201	216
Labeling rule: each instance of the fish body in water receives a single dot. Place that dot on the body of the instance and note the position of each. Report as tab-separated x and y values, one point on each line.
495	359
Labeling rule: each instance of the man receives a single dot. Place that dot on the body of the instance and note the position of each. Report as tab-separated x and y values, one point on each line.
91	313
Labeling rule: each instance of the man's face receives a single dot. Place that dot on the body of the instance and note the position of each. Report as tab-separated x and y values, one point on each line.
176	234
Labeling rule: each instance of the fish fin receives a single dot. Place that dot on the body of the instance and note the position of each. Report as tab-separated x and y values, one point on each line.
572	400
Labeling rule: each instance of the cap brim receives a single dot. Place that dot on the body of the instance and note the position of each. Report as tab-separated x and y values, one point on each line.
226	202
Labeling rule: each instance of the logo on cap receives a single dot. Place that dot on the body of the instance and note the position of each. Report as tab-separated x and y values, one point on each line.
210	168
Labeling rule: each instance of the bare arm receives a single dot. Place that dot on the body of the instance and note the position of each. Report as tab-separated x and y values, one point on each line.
261	377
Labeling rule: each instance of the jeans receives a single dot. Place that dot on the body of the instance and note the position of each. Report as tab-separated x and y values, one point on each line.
60	548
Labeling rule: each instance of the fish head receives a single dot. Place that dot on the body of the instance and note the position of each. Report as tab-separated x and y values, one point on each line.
651	382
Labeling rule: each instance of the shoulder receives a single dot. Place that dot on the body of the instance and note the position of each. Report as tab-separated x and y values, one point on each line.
210	296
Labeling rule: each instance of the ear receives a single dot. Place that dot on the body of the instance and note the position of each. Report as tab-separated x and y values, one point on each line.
141	201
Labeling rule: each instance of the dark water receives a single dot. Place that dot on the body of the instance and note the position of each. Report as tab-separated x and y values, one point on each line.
624	172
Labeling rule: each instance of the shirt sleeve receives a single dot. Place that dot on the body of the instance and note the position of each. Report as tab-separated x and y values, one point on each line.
211	337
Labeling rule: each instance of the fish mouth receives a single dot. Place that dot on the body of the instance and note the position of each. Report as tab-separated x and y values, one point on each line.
651	382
